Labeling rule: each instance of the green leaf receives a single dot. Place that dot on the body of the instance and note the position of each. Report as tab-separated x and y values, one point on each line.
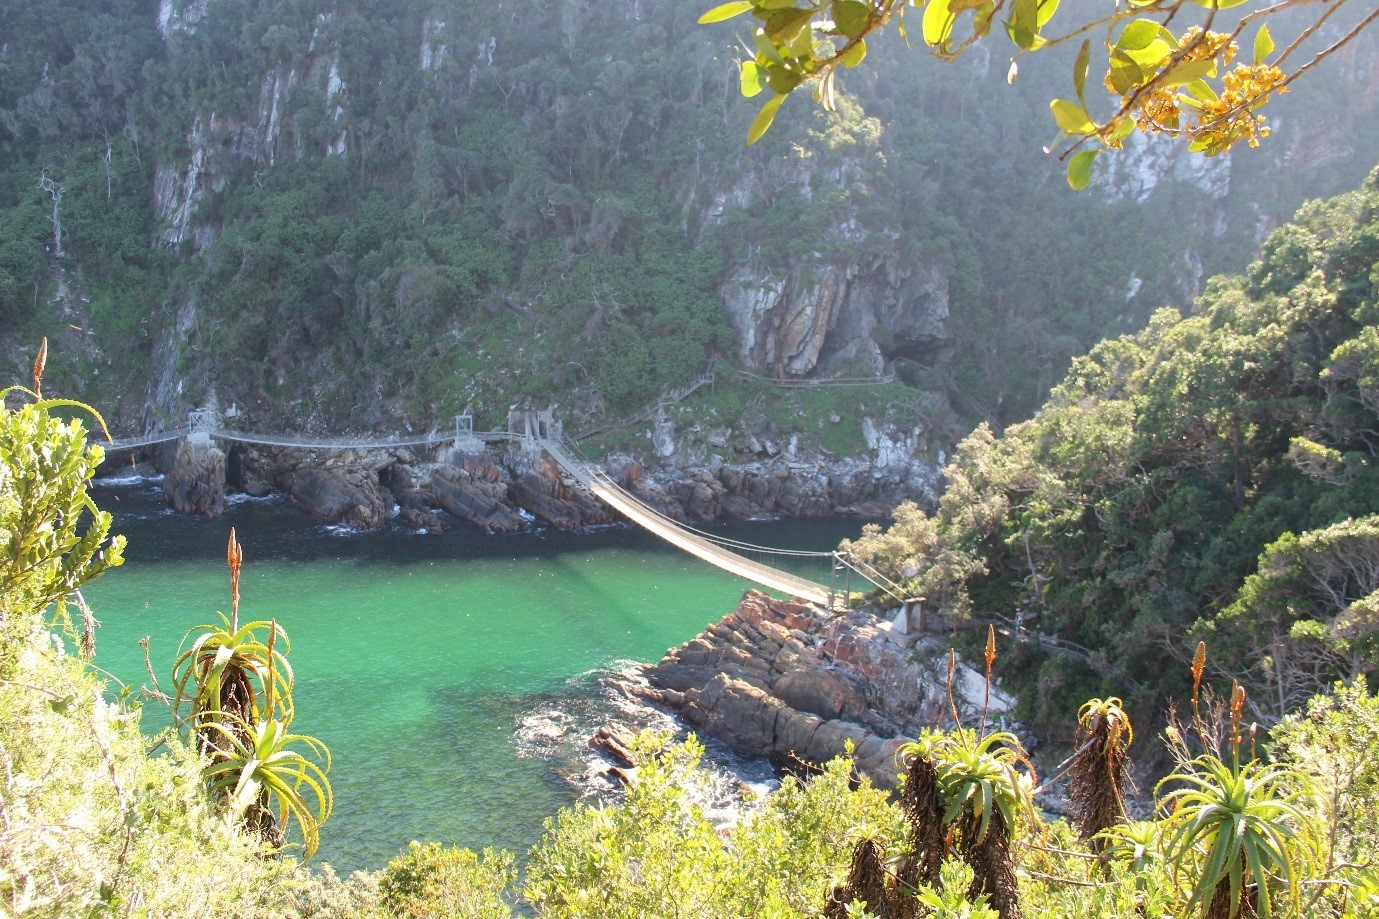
1046	10
851	17
766	49
783	25
1137	35
1080	169
782	80
1152	55
774	4
1084	57
854	55
1071	117
1024	16
1125	73
1264	44
725	11
750	79
938	22
1123	129
762	122
1188	72
1202	91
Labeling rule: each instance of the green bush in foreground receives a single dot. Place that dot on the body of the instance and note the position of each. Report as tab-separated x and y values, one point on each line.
90	823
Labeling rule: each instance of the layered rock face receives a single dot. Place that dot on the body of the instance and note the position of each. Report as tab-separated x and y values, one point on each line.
822	318
475	491
783	679
362	488
781	488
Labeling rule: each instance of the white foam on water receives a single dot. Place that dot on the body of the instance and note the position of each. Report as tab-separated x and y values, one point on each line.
337	529
123	481
557	729
240	497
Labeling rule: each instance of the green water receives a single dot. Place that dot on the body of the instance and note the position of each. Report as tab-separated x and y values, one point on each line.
417	657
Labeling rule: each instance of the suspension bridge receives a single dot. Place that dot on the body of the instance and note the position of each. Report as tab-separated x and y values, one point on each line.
807	575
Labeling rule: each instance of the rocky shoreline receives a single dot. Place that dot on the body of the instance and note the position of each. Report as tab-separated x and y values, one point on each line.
506	491
790	681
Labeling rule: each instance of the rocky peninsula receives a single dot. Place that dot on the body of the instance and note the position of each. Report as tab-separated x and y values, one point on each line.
798	684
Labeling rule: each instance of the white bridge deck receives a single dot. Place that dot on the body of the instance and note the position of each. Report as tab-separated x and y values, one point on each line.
608	491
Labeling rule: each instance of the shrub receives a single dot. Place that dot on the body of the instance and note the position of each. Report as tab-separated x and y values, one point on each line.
435	882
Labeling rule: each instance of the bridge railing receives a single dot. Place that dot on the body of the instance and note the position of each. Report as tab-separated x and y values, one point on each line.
874	577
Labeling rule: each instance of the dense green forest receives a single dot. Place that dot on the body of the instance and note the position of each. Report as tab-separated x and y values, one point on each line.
1211	477
354	216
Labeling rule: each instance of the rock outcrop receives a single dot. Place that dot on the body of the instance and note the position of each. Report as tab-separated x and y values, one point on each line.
338	497
784	679
538	487
194	481
476	493
824	318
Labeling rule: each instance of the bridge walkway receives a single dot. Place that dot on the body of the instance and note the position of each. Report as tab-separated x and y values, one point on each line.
682	537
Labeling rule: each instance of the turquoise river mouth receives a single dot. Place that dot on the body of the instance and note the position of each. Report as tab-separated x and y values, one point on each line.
421	660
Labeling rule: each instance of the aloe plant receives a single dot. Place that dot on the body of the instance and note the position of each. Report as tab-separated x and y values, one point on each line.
1237	832
268	784
986	798
1098	773
227	672
239	685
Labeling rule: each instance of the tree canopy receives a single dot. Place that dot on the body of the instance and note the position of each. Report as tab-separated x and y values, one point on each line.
1213	476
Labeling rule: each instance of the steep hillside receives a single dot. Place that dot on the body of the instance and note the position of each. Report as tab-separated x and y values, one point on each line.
1211	477
370	215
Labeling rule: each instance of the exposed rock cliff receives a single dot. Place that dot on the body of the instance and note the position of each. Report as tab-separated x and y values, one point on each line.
779	678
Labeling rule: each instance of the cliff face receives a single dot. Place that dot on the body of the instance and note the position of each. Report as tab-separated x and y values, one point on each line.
833	320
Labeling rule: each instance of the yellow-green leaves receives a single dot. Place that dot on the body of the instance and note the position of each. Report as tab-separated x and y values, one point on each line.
1071	117
762	122
851	17
1080	168
1264	44
1027	18
750	79
1188	83
725	11
1084	59
854	54
938	23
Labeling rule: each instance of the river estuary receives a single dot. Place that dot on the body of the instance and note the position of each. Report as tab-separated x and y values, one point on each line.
452	676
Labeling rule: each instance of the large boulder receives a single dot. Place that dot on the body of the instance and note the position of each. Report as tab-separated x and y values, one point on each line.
475	498
539	488
338	497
